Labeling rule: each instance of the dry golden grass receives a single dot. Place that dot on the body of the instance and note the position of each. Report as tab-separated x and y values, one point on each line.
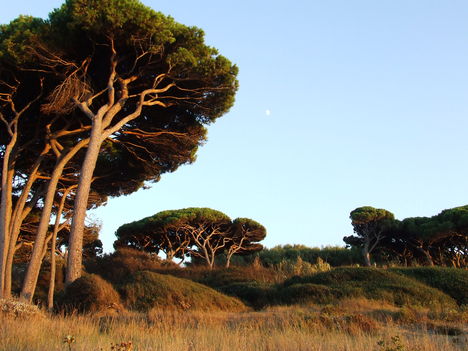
349	326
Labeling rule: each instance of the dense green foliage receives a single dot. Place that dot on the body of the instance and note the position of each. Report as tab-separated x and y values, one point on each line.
333	255
375	284
371	226
307	293
146	290
199	233
452	281
255	294
438	240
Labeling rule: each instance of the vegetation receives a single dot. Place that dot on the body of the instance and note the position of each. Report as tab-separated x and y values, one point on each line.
451	281
199	233
102	98
333	255
146	290
371	225
89	293
354	308
90	71
438	240
375	284
352	325
117	266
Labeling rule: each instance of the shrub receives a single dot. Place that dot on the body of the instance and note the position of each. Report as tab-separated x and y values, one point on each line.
117	266
90	293
43	281
301	267
377	284
452	281
306	294
146	290
226	276
335	256
18	309
254	294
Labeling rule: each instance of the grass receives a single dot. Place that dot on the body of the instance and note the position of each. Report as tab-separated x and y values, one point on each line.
370	283
346	309
350	326
146	290
452	281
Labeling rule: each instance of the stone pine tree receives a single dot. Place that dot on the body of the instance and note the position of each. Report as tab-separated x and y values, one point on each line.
244	238
200	233
131	63
110	75
438	239
371	225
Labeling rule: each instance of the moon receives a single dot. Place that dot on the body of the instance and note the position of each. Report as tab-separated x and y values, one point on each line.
267	112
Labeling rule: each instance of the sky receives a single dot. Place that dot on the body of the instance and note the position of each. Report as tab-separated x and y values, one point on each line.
341	104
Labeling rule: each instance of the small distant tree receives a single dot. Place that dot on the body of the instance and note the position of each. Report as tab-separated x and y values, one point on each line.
371	225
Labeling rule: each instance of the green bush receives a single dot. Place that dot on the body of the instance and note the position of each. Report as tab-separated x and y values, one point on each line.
334	255
225	276
452	281
377	284
307	294
254	294
117	266
89	294
146	290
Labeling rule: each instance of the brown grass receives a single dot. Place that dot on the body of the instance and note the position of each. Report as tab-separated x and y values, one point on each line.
349	326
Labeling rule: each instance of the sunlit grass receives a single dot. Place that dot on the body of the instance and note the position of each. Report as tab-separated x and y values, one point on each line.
352	326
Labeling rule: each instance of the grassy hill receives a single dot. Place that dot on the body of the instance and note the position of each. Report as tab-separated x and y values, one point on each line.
452	281
146	290
370	283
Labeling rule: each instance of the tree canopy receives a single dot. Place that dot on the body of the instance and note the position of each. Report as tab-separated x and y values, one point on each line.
370	226
441	239
196	232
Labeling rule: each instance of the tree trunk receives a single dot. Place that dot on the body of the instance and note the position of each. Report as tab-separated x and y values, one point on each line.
50	294
5	214
19	214
228	261
75	249
32	273
427	255
8	272
228	258
366	254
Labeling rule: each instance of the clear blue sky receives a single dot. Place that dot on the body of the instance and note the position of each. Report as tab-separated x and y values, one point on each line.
367	101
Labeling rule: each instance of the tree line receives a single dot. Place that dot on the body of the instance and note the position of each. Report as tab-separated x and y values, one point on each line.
97	100
438	240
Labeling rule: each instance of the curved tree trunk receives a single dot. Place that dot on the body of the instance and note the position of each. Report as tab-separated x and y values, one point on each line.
75	249
32	273
20	212
5	212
